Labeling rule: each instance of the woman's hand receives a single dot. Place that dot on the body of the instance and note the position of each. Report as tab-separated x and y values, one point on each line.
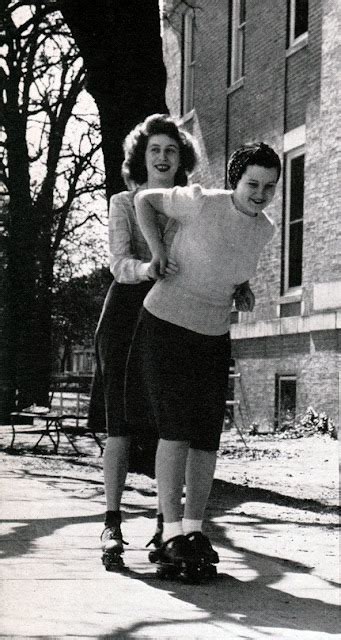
158	264
161	267
171	268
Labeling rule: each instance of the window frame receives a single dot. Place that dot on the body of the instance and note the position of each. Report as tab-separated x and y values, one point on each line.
236	42
187	62
292	40
289	156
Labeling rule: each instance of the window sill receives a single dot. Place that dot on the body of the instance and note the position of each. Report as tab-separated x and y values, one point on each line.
235	86
187	117
297	45
295	295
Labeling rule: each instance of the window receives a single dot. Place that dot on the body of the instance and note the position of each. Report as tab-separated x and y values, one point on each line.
293	224
285	401
236	40
188	62
88	361
298	20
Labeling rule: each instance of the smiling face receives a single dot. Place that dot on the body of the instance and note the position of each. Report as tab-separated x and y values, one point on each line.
255	189
162	159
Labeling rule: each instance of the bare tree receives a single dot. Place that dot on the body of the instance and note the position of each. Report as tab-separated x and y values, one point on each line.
76	309
51	169
121	47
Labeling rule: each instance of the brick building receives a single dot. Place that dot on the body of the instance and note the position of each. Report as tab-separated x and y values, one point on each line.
241	70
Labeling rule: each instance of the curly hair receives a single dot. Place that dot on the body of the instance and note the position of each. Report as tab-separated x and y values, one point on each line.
249	154
135	144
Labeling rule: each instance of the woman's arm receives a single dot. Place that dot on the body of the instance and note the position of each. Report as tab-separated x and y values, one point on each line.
147	204
128	253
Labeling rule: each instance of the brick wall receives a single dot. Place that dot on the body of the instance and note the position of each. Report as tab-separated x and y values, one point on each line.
312	358
210	84
256	109
303	72
208	120
297	89
322	229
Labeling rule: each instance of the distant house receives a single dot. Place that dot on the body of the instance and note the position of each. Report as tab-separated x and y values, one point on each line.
82	360
241	70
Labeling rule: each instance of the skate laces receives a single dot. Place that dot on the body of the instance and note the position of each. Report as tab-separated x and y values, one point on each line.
113	533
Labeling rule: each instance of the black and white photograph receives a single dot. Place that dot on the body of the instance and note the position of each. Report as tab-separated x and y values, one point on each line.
170	319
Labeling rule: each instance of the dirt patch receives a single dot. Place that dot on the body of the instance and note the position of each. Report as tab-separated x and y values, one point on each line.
298	468
305	468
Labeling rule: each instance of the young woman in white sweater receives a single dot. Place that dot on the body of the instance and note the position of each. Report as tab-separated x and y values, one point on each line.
183	334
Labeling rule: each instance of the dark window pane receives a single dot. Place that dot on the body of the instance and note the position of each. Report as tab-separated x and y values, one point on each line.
287	401
242	11
301	17
295	254
296	188
242	51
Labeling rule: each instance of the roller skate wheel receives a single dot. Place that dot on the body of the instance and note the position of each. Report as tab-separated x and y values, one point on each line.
191	575
167	572
112	563
153	556
211	571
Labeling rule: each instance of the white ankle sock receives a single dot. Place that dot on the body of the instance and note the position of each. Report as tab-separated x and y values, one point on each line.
191	525
172	529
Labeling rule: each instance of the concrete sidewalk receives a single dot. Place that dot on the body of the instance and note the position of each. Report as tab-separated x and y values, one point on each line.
54	585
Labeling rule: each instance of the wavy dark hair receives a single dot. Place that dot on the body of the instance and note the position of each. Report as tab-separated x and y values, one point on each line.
249	154
135	144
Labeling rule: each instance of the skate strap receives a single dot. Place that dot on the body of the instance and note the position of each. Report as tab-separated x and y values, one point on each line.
152	541
166	542
114	537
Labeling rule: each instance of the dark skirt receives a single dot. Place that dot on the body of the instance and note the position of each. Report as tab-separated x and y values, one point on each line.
113	338
184	376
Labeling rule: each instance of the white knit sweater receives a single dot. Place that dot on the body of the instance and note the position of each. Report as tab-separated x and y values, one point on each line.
216	247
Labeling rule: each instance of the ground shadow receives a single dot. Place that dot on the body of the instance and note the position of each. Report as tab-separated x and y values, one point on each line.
258	603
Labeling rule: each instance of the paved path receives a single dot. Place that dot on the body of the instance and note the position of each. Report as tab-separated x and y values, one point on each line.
54	586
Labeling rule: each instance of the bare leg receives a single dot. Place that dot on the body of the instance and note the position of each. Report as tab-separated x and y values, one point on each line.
170	467
200	469
115	468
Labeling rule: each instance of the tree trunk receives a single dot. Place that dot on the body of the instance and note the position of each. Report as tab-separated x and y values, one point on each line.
43	323
21	257
22	281
121	46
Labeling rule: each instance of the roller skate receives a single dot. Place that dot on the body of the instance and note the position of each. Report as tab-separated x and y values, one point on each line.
205	556
174	558
157	537
112	547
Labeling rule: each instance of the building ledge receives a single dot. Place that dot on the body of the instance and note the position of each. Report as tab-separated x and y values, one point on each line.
287	326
